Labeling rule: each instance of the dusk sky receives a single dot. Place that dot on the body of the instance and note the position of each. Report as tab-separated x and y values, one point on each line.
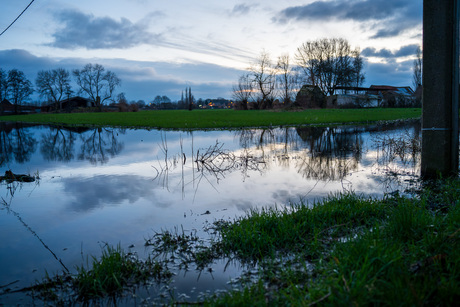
161	47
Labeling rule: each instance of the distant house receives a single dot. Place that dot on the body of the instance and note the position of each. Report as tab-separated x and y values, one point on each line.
359	100
393	96
69	104
310	96
6	107
374	96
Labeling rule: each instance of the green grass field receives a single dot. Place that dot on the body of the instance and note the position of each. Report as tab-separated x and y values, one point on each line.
215	119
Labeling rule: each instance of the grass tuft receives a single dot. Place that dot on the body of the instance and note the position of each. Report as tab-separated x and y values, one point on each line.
113	273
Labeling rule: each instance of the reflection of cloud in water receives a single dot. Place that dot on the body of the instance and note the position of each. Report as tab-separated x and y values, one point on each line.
100	191
243	205
284	197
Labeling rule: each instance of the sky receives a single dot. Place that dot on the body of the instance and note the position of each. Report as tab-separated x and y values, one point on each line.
159	47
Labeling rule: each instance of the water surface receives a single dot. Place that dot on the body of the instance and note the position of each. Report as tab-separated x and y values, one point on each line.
120	186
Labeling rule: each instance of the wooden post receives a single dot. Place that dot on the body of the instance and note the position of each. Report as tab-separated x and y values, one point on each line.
440	88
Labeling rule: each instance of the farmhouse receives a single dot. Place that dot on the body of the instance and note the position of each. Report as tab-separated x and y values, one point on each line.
374	96
69	104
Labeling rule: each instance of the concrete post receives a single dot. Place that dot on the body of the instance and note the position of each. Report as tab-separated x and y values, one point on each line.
440	88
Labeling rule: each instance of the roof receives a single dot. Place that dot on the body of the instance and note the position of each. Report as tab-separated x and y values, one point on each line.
6	102
402	90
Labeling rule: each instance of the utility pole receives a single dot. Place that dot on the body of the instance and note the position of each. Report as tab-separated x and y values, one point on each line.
440	88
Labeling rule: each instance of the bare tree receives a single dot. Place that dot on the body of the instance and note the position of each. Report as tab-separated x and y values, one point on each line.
358	67
19	88
328	63
417	73
97	83
3	84
54	85
287	79
243	91
264	79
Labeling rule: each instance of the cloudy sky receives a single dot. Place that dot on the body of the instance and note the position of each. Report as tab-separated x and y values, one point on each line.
160	47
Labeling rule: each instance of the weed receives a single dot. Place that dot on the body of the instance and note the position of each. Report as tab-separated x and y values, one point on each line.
113	273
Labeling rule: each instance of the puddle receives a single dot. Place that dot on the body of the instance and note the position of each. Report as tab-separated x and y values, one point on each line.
121	186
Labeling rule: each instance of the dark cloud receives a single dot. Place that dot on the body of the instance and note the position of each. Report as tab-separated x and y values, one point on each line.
404	51
393	16
87	31
390	73
140	79
31	64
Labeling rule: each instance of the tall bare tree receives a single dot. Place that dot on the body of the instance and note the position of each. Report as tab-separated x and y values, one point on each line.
97	83
19	88
54	85
328	63
263	76
243	91
417	69
287	79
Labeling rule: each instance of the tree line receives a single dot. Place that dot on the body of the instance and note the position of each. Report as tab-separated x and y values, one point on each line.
325	63
54	85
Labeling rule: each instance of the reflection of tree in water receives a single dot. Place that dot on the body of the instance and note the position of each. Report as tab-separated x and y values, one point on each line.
100	144
332	152
16	142
58	144
332	142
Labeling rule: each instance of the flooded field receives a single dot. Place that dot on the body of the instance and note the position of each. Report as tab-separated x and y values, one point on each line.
88	187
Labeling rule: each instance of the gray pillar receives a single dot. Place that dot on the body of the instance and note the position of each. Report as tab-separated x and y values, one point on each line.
440	88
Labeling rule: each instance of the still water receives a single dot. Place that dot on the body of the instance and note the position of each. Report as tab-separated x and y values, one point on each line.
119	186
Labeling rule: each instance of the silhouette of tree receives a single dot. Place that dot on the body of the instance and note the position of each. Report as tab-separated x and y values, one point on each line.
54	85
19	88
328	63
417	69
97	83
263	76
3	84
243	91
287	79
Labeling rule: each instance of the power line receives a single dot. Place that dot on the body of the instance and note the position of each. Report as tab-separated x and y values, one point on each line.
17	18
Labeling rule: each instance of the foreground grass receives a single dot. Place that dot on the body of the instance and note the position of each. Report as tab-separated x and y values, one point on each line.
347	250
216	119
352	251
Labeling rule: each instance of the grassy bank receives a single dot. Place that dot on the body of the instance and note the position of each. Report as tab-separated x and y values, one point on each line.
347	250
215	119
351	251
